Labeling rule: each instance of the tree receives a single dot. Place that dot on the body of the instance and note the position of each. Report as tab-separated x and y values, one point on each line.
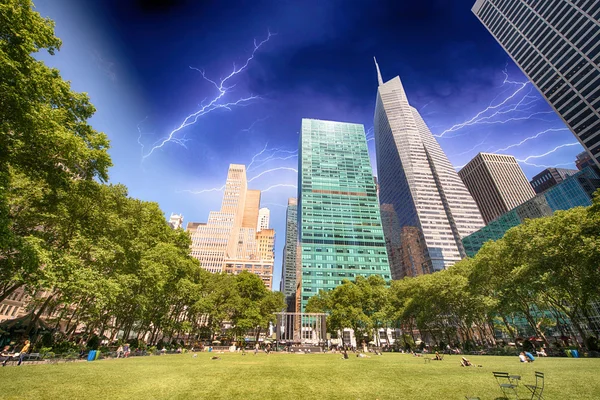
45	140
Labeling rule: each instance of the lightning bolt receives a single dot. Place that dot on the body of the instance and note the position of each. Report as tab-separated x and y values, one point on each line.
215	103
202	191
257	155
272	170
279	185
487	120
526	159
271	154
249	129
472	148
529	138
220	189
497	108
274	204
139	139
428	103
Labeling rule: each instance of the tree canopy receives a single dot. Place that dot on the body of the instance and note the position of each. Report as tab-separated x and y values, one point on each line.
86	252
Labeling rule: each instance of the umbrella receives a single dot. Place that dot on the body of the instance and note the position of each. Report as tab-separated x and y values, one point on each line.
267	341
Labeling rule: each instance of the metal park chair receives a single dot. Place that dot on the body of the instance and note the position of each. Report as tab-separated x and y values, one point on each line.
537	389
508	384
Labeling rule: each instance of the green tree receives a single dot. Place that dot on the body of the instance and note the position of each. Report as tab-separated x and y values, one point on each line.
45	140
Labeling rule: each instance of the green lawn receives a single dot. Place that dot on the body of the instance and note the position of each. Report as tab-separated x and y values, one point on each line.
289	376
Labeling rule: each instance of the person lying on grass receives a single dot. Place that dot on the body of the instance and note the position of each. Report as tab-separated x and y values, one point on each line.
466	363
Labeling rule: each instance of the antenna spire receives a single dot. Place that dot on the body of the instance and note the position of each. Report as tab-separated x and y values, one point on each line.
378	72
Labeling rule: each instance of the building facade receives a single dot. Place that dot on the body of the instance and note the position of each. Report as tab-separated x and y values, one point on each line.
576	190
556	43
583	160
15	305
288	275
176	221
339	224
392	234
550	177
264	215
417	179
497	184
229	241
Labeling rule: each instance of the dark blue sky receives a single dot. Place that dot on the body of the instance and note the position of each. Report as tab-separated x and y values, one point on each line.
134	59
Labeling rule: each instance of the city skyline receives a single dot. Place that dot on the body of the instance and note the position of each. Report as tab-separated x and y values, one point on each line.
136	68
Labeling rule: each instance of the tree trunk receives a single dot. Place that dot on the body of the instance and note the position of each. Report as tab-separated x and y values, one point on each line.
511	332
9	291
36	317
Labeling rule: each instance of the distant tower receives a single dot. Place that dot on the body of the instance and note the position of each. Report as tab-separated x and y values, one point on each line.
497	183
288	275
550	177
176	221
263	219
417	180
229	241
556	43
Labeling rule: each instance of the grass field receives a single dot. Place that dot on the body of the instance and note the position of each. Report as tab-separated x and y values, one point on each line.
290	376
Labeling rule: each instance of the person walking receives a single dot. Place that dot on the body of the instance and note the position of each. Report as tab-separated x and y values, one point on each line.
24	351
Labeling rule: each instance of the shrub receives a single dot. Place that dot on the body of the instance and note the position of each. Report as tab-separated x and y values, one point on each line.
64	347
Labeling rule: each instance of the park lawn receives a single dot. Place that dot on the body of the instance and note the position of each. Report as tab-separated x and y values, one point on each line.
292	376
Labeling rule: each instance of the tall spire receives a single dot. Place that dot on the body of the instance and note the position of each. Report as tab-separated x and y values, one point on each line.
378	72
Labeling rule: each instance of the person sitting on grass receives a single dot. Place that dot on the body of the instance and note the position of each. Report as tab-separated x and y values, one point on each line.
437	356
529	356
523	358
541	353
5	355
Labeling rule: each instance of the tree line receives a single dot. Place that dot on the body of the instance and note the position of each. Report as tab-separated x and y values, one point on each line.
542	275
84	250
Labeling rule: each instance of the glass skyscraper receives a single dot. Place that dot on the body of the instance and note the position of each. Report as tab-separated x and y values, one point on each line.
556	43
417	179
338	214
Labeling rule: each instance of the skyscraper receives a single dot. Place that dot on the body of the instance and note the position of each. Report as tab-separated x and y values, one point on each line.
264	214
497	184
338	214
550	177
556	43
229	241
288	275
416	177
